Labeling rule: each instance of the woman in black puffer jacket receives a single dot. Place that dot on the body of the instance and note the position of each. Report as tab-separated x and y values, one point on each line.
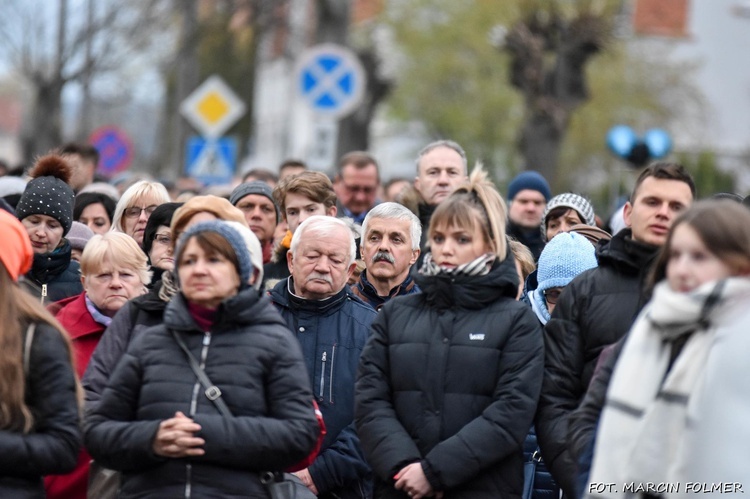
449	380
155	423
39	420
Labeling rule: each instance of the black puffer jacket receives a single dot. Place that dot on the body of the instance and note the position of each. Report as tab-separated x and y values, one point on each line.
54	276
52	445
133	318
450	378
596	309
255	361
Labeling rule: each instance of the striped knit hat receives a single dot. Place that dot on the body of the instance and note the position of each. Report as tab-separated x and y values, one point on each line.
569	200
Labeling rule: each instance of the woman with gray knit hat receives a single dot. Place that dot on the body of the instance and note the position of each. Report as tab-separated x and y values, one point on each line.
46	211
564	211
154	420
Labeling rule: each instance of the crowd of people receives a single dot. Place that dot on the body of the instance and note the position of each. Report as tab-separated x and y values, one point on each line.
349	338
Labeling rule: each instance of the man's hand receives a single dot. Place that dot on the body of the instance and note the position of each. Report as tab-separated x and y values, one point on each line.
176	438
304	475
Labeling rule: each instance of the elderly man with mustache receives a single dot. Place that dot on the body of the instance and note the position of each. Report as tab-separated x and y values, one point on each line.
389	246
332	326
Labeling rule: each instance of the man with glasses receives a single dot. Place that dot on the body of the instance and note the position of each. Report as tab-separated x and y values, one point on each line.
255	200
356	185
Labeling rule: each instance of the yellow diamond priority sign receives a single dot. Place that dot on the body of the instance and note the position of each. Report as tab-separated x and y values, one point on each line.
212	108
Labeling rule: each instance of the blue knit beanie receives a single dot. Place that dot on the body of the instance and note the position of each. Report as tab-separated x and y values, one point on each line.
233	237
529	180
564	257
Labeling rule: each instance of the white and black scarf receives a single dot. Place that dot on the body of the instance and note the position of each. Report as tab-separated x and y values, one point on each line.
479	266
645	419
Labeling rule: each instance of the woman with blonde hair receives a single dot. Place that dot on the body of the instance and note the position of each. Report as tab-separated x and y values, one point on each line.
113	271
449	379
39	418
136	205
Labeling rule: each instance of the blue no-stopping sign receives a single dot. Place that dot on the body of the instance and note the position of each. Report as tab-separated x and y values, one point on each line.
331	80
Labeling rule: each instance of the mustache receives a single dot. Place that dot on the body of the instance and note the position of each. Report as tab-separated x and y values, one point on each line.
320	277
383	256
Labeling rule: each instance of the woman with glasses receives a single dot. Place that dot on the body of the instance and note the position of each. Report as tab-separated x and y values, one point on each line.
449	379
135	207
46	211
113	271
157	240
563	258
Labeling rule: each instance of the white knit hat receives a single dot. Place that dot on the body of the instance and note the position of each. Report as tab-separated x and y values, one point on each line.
569	200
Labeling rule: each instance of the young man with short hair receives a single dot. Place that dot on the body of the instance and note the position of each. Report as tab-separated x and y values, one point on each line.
598	307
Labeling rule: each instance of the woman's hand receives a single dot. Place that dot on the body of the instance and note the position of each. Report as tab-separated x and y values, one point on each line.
176	437
304	475
412	480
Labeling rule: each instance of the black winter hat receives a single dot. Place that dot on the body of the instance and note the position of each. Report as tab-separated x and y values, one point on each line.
162	215
48	192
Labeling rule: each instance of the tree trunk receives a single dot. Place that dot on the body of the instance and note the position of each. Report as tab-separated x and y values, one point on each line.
540	142
187	81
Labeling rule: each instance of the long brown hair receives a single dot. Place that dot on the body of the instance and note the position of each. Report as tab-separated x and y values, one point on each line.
18	309
722	225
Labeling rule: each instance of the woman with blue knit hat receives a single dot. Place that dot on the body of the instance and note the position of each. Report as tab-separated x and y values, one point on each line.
46	211
563	258
157	422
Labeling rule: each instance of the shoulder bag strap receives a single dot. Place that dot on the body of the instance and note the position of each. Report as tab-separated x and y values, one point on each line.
212	391
28	340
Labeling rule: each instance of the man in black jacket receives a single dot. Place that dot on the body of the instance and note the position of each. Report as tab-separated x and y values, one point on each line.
598	307
528	194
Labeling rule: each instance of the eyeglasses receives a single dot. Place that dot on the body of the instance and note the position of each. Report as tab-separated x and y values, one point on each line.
162	239
135	211
552	294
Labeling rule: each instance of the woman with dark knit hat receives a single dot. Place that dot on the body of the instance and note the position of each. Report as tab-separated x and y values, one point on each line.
46	211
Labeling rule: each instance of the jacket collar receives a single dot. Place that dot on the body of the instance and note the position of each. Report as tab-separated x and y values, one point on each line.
75	316
369	294
626	254
49	265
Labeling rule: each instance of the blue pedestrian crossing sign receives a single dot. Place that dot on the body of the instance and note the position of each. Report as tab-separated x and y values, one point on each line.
331	80
211	162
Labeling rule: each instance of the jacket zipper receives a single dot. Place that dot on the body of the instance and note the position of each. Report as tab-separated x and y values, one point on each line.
323	376
330	382
44	292
194	408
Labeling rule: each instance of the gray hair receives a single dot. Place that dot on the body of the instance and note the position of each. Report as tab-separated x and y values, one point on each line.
323	226
444	143
395	211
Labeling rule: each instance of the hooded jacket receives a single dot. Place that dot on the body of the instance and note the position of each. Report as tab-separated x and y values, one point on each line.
596	309
256	363
332	334
54	276
450	378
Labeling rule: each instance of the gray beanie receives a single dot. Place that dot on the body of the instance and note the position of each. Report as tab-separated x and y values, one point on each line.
233	237
255	187
79	235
